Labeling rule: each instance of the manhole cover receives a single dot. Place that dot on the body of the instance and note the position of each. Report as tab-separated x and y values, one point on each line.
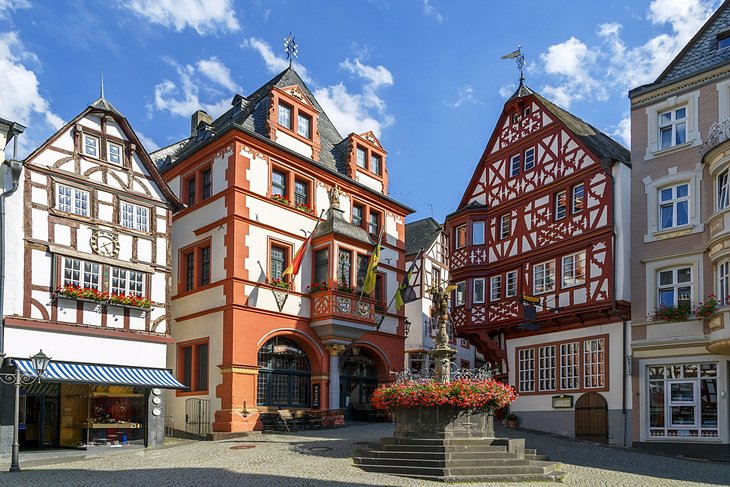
320	448
242	447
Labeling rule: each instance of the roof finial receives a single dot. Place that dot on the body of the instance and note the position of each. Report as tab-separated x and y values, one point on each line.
520	59
101	91
290	48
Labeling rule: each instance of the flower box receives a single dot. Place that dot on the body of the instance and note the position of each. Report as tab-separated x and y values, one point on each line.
281	284
280	199
707	309
317	287
129	301
671	313
304	208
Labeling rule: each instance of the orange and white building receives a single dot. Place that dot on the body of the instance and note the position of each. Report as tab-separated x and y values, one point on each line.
250	337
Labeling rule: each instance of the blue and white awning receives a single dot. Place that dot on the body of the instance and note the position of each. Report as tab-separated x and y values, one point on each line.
102	374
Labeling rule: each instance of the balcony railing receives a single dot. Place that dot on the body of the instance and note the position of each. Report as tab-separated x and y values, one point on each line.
719	133
336	304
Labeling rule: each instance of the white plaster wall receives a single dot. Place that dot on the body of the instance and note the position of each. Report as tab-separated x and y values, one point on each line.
144	249
206	299
39	224
369	181
73	347
622	226
257	174
185	226
14	249
294	144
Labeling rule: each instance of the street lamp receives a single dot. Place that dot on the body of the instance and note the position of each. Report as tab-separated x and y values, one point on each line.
40	363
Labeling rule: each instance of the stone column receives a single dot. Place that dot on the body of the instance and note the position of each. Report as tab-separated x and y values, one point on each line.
334	396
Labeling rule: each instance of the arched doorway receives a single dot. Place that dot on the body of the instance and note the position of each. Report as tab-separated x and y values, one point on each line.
284	374
591	418
358	376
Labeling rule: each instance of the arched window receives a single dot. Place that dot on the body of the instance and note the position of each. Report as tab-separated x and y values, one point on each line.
283	374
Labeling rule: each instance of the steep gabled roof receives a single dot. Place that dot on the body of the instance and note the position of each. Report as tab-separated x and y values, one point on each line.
421	234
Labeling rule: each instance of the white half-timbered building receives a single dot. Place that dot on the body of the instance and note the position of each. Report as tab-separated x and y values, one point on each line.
88	282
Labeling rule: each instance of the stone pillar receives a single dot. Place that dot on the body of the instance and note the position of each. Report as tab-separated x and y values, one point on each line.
334	396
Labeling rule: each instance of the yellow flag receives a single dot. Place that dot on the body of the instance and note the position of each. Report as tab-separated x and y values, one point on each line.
368	284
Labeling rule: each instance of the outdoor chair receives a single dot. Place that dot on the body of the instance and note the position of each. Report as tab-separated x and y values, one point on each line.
290	423
315	419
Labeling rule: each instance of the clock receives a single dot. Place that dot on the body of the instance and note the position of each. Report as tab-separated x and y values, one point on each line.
105	244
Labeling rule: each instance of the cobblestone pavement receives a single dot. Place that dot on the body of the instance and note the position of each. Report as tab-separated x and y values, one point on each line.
323	459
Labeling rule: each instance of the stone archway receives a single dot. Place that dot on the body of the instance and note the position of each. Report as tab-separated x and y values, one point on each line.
591	418
284	374
359	373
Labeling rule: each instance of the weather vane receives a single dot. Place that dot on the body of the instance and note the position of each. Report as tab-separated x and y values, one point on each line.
520	59
290	48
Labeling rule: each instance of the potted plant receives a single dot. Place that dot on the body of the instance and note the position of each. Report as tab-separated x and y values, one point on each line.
278	282
512	420
343	287
671	313
705	310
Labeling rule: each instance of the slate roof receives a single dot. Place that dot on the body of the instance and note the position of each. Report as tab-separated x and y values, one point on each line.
597	142
103	104
421	234
336	224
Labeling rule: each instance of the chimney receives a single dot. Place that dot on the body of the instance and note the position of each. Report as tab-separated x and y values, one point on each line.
199	116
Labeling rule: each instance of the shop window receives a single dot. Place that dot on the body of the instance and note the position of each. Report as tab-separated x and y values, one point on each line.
285	118
357	215
283	375
546	368
460	233
477	233
561	205
569	366
511	288
594	365
574	269
577	199
417	362
675	287
134	216
193	365
526	370
72	200
478	290
544	277
495	288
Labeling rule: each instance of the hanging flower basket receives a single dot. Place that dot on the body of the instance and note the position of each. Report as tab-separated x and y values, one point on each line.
77	292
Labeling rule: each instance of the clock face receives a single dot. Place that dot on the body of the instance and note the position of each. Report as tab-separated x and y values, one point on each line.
105	244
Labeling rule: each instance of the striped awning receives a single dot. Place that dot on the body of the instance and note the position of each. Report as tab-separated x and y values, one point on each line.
102	374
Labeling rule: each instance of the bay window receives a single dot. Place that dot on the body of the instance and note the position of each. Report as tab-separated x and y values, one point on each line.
477	233
723	198
495	288
511	288
578	198
460	293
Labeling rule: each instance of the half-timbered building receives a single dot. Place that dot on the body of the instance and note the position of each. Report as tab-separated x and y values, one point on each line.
539	250
251	337
87	281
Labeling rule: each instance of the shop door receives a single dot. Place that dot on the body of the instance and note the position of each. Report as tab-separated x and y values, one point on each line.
591	418
197	416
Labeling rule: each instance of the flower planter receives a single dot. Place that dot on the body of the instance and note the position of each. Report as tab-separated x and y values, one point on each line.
444	421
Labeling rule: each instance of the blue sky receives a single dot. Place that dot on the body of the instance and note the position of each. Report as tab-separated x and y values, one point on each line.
424	75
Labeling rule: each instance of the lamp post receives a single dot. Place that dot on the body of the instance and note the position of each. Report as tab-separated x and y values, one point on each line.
40	363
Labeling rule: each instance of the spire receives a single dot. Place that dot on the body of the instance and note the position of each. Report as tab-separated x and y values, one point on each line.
101	91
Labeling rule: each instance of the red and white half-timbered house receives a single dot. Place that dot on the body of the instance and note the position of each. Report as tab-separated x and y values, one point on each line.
545	216
88	281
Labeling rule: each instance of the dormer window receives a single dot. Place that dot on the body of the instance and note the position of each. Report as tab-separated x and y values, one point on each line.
304	125
362	158
357	215
375	165
723	40
285	117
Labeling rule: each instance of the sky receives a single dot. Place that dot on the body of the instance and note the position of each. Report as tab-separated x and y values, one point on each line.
426	76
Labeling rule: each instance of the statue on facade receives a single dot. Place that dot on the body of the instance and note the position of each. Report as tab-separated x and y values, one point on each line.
334	193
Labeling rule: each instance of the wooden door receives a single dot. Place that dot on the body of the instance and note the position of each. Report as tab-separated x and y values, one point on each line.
591	418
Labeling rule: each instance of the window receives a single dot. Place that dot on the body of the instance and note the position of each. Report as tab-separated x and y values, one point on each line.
301	192
675	287
304	125
278	183
574	269
195	263
357	215
672	127
460	236
674	206
723	200
207	183
344	267
526	375
514	165
375	164
505	224
478	290
189	271
546	368
577	198
417	362
135	217
569	366
284	374
114	152
593	363
362	269
460	293
560	205
321	266
495	288
193	364
205	266
477	233
72	200
529	158
79	273
435	277
723	40
285	119
682	400
379	292
723	275
544	277
126	282
278	262
374	223
191	191
511	290
91	145
362	158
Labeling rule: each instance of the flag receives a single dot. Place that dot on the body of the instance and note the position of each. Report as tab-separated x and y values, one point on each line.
511	55
296	262
405	292
368	284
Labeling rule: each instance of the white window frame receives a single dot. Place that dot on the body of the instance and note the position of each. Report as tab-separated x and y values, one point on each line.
286	109
477	232
478	296
652	189
510	290
671	126
526	370
675	286
570	270
83	273
723	282
514	165
72	200
303	116
594	363
109	146
460	294
505	226
96	146
561	210
722	193
457	230
574	198
361	163
126	281
530	151
570	364
673	202
495	288
134	216
547	368
544	275
691	101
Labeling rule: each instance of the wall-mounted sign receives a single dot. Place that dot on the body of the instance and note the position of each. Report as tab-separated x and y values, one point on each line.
315	396
562	401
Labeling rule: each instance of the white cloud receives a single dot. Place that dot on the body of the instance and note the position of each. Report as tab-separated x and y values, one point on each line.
466	95
429	10
204	16
349	112
183	98
505	91
21	101
7	5
275	64
571	62
149	144
622	131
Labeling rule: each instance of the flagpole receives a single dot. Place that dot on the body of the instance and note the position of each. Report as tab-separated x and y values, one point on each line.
410	269
307	242
362	289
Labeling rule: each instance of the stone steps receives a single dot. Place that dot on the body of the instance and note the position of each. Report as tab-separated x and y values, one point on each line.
509	461
466	474
461	455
